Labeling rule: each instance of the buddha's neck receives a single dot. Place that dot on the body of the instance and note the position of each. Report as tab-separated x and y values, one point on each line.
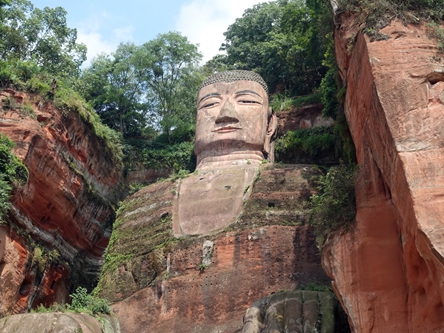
236	158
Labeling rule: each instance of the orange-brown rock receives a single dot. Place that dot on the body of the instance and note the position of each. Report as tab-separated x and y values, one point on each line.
160	283
388	271
65	210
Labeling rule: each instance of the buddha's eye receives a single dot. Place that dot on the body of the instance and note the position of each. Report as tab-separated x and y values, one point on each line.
209	105
247	101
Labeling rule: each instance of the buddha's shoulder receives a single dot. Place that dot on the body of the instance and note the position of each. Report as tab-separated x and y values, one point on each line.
152	202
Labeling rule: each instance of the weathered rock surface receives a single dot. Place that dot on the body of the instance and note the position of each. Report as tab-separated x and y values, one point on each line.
296	311
388	272
160	283
58	323
302	117
62	217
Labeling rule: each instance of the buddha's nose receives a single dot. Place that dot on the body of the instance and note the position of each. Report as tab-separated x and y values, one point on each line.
227	114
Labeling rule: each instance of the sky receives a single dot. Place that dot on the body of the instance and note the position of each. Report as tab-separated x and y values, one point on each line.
103	24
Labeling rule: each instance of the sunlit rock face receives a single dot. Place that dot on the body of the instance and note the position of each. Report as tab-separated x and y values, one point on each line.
388	272
62	216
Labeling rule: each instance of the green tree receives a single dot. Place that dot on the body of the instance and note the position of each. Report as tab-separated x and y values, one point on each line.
156	81
41	36
280	40
115	87
172	78
218	63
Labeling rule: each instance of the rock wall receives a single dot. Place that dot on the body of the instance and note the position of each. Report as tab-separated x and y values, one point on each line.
388	272
160	283
62	217
59	322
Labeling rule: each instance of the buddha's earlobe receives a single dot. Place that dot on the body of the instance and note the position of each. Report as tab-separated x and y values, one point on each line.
270	135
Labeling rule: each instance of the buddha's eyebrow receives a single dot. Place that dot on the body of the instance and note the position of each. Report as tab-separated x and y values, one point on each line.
246	91
208	95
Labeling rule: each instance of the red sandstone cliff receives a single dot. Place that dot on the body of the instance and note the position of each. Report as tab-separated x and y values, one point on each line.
389	271
62	217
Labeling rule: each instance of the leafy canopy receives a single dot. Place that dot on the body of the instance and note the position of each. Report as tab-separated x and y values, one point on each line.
172	77
114	86
41	36
334	207
155	82
281	41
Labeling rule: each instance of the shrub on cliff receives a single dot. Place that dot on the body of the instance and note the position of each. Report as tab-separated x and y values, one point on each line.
334	207
84	302
308	145
81	302
378	14
12	173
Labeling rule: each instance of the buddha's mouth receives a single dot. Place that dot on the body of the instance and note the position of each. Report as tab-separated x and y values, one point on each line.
226	129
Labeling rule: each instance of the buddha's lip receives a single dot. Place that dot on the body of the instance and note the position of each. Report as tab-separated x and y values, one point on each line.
225	129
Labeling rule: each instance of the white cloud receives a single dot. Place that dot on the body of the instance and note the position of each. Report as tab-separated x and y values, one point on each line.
95	44
205	21
98	36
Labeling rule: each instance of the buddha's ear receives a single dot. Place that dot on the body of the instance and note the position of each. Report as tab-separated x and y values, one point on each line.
270	135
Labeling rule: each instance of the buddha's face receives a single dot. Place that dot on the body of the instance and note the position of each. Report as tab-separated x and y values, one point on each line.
231	114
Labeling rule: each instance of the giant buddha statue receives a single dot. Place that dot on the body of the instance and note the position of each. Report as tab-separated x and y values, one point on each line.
237	232
234	132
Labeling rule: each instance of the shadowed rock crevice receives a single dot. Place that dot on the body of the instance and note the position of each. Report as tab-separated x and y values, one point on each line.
435	77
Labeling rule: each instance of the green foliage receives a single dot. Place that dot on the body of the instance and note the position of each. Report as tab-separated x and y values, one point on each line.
437	32
177	157
67	100
10	165
38	259
12	173
309	145
5	194
38	85
334	207
28	110
114	86
218	63
172	79
282	41
15	73
333	97
281	102
81	301
55	307
42	36
377	14
157	80
329	90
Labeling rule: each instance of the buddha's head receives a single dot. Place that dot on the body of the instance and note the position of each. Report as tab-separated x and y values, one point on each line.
233	118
